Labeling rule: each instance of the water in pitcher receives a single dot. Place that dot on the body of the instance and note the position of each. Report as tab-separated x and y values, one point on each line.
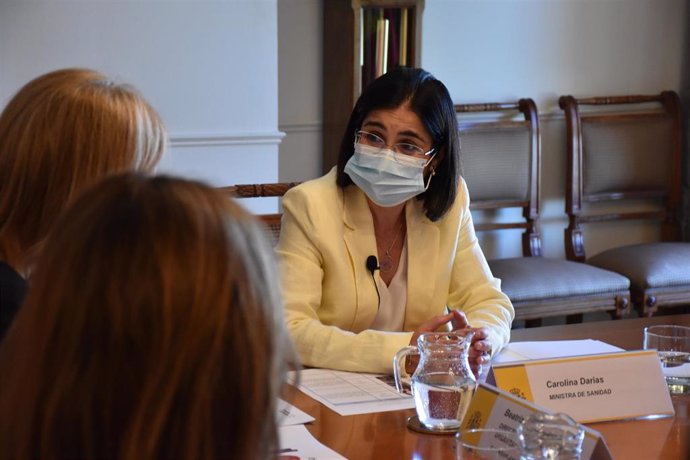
442	400
443	383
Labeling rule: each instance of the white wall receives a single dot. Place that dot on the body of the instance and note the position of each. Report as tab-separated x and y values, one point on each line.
299	60
484	49
209	67
502	50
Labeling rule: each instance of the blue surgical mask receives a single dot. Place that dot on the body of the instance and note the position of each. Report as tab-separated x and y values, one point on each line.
386	178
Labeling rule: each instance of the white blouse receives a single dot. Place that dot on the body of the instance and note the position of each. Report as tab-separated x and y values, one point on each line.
393	298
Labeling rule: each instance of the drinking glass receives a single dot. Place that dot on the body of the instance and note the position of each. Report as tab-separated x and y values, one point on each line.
550	437
672	343
487	444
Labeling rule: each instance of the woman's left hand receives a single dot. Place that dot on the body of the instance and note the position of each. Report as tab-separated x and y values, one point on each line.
480	351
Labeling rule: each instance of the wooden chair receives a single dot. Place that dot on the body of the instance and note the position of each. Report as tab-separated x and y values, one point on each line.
625	152
272	221
501	166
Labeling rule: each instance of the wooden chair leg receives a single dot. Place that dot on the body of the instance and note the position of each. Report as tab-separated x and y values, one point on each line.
645	305
536	322
649	306
622	307
574	319
615	314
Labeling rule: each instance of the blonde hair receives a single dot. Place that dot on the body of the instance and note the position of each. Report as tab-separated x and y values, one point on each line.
62	132
153	329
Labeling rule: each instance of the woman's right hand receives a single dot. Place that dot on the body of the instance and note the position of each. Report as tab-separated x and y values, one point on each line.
430	326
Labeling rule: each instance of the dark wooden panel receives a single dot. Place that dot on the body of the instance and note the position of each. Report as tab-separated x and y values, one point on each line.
338	75
258	190
340	66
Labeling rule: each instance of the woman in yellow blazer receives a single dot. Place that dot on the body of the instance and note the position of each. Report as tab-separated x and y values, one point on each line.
379	249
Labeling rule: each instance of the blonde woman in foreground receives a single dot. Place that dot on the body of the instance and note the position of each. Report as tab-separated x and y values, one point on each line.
61	133
153	329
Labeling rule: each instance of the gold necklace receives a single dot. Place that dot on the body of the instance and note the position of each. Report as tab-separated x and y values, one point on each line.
387	260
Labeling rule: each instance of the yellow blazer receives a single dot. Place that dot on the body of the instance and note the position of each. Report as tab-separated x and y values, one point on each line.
330	297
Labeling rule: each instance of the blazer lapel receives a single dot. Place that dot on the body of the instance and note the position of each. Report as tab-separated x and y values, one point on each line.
361	243
422	257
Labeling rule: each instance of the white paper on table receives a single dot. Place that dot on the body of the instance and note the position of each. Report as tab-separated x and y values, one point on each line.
524	351
298	442
290	415
350	393
677	371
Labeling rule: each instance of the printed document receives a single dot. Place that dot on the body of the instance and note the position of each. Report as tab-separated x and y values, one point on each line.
350	393
290	415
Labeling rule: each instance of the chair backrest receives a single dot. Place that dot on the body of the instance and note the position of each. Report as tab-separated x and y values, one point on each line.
622	148
501	158
272	221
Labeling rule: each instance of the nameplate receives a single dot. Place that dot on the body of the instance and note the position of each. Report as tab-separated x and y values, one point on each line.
591	388
494	408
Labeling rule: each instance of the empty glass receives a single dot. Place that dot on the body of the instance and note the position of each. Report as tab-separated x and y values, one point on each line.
551	436
487	444
672	343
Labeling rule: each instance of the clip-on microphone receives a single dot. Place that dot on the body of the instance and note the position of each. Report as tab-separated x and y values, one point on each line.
373	265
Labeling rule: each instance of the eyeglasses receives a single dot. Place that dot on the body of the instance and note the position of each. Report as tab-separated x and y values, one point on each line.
401	148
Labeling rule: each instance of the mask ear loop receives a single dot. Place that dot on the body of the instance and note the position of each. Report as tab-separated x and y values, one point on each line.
433	171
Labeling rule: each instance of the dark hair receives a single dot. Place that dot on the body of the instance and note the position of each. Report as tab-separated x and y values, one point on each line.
153	329
430	101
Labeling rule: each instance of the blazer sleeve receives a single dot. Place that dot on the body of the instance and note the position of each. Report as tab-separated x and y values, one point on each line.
473	289
306	236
